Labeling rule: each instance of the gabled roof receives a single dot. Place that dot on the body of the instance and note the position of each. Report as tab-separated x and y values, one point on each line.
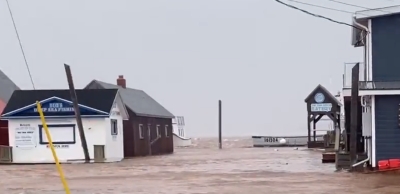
100	101
7	87
323	89
137	101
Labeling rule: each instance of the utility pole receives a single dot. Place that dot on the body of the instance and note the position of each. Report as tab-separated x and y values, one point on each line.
220	124
77	112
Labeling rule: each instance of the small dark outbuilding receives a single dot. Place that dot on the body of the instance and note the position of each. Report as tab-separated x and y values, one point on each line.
7	87
149	128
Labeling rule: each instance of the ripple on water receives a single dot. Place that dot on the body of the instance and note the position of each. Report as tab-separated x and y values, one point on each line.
201	168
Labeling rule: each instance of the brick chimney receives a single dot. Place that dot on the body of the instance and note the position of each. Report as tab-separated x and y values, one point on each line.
121	81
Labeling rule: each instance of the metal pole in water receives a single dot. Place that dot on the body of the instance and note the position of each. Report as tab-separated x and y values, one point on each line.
220	124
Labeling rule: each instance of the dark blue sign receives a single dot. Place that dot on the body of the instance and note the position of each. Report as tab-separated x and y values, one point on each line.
54	107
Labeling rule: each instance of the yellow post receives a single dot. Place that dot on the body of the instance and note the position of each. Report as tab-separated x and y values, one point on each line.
53	151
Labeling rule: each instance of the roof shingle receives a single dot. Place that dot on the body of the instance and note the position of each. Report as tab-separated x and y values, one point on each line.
137	100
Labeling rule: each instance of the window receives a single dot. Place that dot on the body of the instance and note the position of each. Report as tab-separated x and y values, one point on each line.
181	132
60	134
158	131
114	127
149	131
166	131
141	131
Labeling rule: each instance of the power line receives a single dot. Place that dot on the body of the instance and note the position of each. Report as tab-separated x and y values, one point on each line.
348	4
329	19
20	44
323	7
353	5
316	15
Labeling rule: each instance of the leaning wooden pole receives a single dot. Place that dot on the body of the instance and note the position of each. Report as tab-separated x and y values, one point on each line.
220	123
77	112
355	73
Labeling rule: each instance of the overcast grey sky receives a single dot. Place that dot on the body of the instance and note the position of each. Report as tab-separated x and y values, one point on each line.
259	57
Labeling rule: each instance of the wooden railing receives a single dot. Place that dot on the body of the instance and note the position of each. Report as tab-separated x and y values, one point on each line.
5	154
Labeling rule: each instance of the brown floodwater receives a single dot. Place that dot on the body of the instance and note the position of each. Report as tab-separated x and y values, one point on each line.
237	169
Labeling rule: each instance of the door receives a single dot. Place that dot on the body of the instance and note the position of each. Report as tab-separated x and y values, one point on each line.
99	153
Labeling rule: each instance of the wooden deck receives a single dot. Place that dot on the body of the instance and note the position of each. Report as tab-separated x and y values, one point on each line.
329	157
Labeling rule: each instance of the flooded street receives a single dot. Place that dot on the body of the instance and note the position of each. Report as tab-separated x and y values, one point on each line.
238	169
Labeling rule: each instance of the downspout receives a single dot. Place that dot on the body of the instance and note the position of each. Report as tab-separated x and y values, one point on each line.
361	162
366	78
368	145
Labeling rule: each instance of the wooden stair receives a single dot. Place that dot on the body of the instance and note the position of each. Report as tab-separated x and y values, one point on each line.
343	160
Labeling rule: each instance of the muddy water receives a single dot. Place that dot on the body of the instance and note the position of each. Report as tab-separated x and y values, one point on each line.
238	169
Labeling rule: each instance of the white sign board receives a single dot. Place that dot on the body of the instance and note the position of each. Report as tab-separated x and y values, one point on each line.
321	107
25	137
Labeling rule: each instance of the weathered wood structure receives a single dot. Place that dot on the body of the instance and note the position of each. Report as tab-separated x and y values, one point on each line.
149	128
355	149
320	102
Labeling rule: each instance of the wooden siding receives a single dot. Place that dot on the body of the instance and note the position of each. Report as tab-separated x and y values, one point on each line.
129	138
4	140
387	130
135	146
385	48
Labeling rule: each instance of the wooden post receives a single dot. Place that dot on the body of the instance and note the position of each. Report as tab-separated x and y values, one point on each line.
220	123
77	112
309	128
337	141
354	113
315	128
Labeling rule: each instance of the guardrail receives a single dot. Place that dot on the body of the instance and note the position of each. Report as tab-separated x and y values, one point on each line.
347	74
379	85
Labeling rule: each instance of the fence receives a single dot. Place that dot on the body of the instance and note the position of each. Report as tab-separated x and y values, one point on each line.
347	74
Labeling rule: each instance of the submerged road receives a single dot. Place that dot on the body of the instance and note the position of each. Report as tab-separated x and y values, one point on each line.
202	168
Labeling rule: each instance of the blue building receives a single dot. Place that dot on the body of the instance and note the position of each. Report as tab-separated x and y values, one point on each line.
379	86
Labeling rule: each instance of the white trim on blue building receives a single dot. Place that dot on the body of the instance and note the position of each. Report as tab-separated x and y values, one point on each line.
371	13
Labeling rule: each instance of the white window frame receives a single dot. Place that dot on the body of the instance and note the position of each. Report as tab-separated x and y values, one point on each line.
158	130
114	126
141	131
149	130
166	131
